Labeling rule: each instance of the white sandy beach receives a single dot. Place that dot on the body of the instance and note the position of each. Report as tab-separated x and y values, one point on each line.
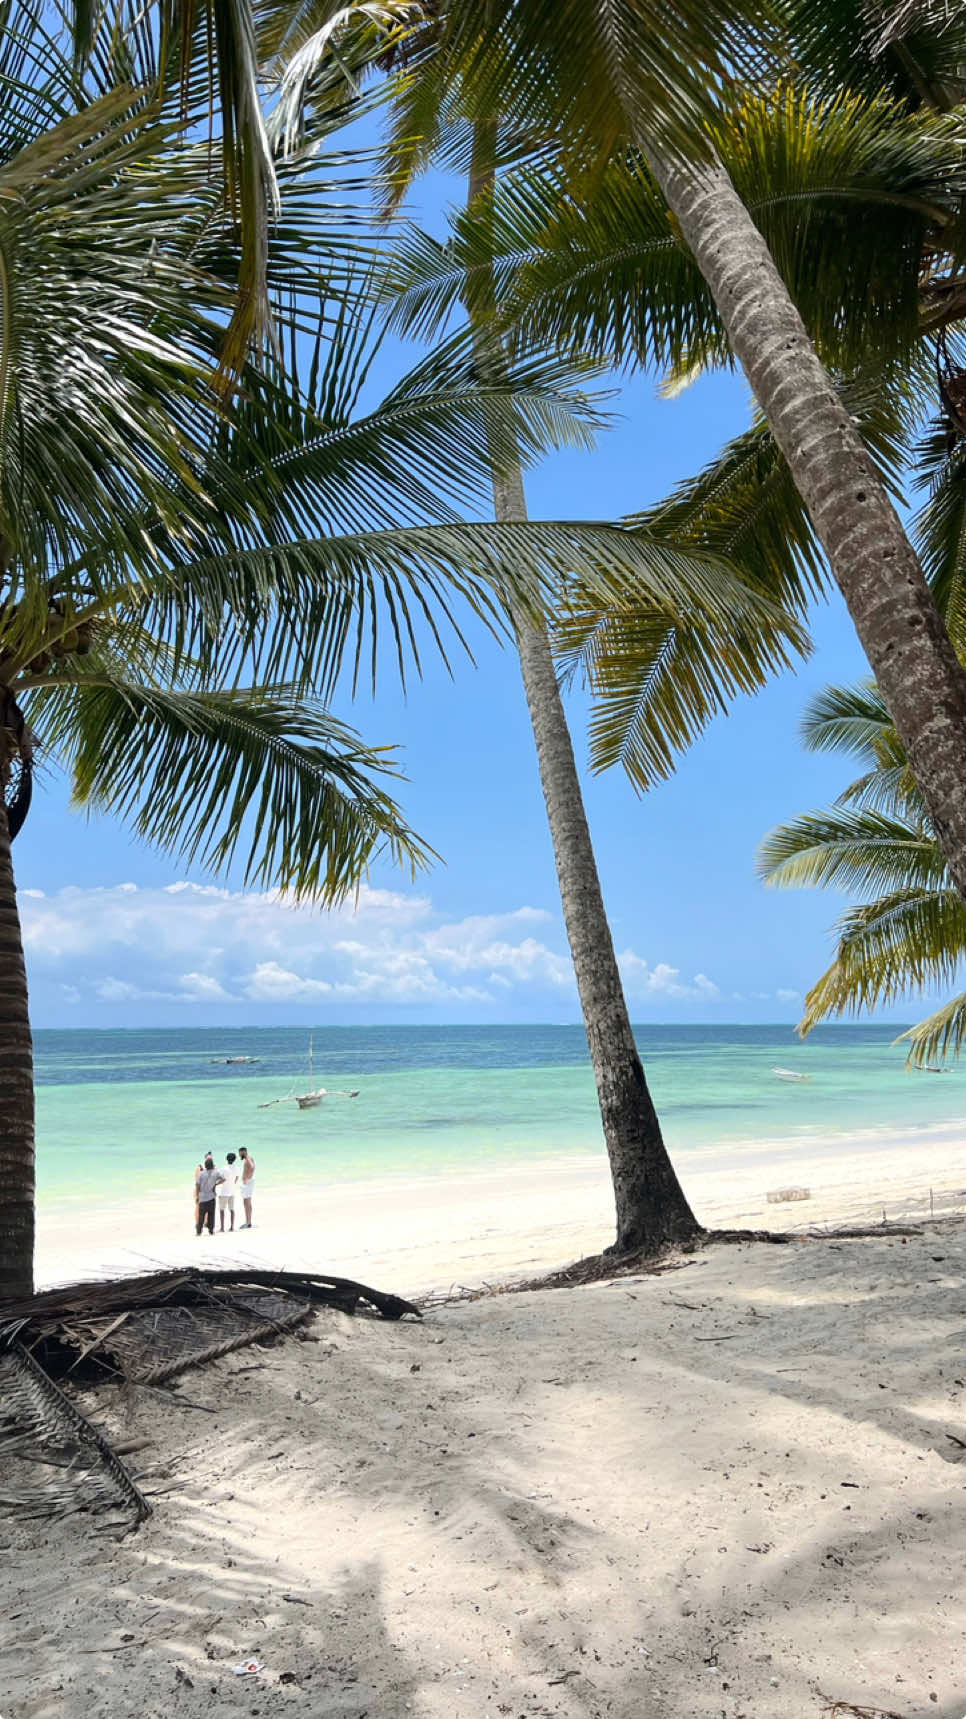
730	1491
411	1236
733	1490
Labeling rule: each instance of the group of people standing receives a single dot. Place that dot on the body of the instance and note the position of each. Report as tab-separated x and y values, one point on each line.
224	1185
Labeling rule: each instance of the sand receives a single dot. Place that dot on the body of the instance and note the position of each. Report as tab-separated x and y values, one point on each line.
735	1489
487	1226
731	1491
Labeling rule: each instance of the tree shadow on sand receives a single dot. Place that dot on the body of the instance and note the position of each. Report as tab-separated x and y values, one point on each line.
481	1527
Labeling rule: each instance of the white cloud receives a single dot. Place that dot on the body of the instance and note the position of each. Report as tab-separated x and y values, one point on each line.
706	987
202	988
642	980
786	996
271	983
198	944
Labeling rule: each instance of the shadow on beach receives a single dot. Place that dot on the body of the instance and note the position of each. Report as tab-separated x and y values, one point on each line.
725	1491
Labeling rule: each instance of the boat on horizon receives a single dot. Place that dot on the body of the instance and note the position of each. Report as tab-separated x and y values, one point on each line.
231	1061
789	1074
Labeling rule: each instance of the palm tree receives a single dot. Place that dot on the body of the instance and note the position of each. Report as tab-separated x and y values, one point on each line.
618	74
183	574
877	840
651	1209
663	679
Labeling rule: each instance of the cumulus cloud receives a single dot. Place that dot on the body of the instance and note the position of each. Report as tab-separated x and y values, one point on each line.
199	944
272	983
642	980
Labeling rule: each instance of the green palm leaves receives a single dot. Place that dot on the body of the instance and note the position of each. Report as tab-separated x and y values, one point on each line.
877	842
213	776
845	190
186	579
133	504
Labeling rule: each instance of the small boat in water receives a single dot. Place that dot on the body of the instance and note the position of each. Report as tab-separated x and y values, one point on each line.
311	1099
789	1074
231	1061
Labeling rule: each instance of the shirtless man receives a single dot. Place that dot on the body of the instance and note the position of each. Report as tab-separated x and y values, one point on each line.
247	1185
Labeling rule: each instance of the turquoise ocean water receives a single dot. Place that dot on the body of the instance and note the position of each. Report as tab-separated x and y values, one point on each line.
120	1113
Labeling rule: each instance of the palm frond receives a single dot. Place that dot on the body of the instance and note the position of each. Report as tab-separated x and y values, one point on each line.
854	849
905	942
744	507
941	1035
600	70
319	58
940	527
304	607
852	719
656	683
915	53
108	339
890	789
199	60
209	774
844	191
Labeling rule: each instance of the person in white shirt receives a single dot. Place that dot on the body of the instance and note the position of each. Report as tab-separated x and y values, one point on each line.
226	1192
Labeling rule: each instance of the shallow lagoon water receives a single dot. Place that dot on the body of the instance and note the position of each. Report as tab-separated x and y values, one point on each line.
123	1113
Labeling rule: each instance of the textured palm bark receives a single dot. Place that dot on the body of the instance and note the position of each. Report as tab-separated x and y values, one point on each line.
16	1094
651	1209
874	564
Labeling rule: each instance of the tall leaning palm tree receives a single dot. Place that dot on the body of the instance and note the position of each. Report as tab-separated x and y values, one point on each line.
619	74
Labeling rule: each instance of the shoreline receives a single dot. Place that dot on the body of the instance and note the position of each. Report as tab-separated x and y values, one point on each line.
419	1233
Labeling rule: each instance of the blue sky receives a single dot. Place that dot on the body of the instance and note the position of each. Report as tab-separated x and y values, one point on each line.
118	935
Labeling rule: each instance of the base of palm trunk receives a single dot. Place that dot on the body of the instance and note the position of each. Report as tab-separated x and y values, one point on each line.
661	1219
650	1206
651	1241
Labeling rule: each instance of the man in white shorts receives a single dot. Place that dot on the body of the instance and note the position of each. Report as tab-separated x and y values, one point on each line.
226	1192
247	1184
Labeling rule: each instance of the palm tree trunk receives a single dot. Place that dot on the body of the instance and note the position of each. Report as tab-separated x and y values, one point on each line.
651	1207
874	564
16	1093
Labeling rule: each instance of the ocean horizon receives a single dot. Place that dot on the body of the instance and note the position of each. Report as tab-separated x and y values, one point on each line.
129	1110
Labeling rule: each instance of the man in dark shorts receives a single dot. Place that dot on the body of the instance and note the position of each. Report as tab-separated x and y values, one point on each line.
206	1182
